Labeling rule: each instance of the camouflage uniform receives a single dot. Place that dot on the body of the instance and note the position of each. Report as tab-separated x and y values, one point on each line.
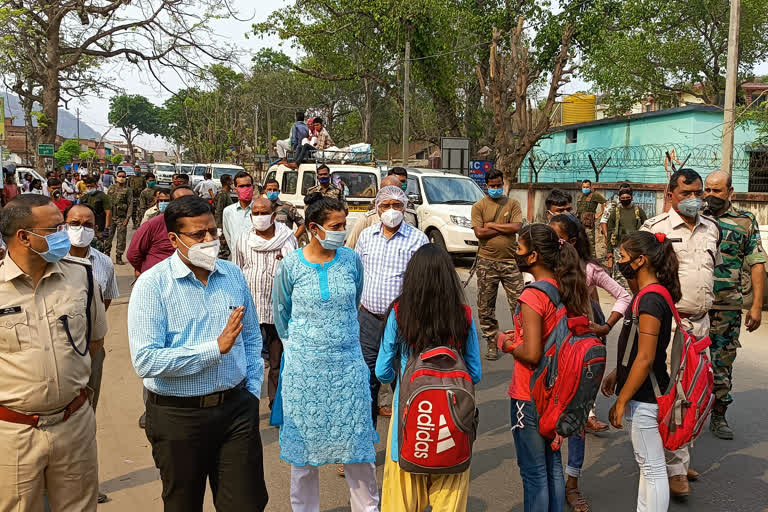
137	185
122	210
332	191
586	210
489	274
287	214
617	231
221	200
145	202
740	244
99	202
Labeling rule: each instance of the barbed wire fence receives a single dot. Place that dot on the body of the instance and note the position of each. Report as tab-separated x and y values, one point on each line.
643	162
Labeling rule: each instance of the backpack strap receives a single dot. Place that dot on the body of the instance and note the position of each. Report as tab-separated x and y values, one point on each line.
550	290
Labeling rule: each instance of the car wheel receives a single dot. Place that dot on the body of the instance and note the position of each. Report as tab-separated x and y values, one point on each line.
435	237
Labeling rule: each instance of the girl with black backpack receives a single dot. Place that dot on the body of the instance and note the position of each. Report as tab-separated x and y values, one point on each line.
430	312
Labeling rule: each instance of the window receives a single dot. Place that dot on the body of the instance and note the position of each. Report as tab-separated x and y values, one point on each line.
307	181
450	190
270	176
359	184
758	169
413	189
290	178
570	136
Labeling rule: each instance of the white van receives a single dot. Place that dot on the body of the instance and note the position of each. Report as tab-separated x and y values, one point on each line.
219	170
21	171
196	174
362	184
164	172
443	203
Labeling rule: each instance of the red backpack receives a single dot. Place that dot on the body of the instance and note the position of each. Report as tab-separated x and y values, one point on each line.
687	401
438	417
565	383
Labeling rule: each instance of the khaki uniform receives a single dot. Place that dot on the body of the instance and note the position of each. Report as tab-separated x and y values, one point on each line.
122	210
496	263
586	210
40	373
698	253
332	191
740	245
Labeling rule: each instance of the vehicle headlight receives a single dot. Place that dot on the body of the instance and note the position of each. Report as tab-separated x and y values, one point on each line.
462	221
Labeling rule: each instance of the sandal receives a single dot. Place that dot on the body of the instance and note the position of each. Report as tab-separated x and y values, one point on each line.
340	470
575	500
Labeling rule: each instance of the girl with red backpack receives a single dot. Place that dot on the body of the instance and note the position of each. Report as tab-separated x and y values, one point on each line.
430	312
541	252
646	260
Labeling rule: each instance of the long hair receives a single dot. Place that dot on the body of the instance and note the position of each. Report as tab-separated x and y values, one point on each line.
563	260
661	256
577	231
431	305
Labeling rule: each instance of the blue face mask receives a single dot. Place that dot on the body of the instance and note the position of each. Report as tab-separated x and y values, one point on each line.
333	239
495	193
272	196
690	207
586	191
162	205
324	180
58	246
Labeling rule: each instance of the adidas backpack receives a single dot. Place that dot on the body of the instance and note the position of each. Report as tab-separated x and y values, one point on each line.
686	403
564	385
438	417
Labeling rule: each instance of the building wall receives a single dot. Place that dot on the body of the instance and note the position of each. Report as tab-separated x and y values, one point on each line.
646	139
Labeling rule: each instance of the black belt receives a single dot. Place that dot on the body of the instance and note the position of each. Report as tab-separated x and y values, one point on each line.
195	402
380	318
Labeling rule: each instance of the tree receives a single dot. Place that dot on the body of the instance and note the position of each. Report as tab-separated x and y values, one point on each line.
669	49
67	152
88	157
117	159
51	42
133	115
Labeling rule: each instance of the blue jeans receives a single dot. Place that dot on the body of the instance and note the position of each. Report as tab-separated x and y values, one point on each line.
540	467
653	488
575	455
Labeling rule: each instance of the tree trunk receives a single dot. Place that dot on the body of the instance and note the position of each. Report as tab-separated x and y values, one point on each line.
49	120
31	133
368	111
128	136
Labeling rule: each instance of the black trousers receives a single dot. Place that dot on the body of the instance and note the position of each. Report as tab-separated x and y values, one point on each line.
370	341
220	443
274	352
303	153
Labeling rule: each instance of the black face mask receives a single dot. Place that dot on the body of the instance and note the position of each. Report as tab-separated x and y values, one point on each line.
716	204
625	202
522	261
625	267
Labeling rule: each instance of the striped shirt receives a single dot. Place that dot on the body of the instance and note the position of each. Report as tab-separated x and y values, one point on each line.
235	221
104	273
259	261
174	322
384	261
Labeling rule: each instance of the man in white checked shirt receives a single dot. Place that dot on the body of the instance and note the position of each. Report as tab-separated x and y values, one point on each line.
385	250
258	253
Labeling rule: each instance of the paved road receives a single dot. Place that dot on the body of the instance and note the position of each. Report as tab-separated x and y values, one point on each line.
734	473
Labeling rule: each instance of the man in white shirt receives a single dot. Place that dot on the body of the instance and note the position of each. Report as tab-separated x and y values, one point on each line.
206	189
236	218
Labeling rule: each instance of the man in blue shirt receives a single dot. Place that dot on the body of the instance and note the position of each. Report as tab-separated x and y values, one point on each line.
194	339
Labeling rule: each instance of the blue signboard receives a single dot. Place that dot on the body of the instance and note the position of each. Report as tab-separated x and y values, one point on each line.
477	170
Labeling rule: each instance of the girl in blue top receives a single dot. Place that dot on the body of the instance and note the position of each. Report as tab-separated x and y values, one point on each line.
431	311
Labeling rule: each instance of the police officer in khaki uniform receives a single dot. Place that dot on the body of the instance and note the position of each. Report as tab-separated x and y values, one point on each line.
696	239
47	428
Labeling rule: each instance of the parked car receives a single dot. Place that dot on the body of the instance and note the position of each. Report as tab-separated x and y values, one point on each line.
217	171
443	203
21	171
197	174
164	172
361	184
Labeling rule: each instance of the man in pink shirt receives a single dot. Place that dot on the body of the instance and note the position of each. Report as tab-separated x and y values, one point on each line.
150	244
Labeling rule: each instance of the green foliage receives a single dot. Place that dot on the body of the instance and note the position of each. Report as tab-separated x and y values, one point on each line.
67	152
116	159
134	115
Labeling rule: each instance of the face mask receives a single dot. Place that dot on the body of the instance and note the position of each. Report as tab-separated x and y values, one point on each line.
80	236
625	267
151	184
625	202
58	246
333	239
202	255
392	218
245	194
91	190
404	186
690	207
162	205
586	191
522	261
272	196
324	180
56	194
261	222
121	180
716	204
495	193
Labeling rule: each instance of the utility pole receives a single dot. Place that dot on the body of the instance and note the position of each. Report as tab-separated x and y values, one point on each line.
78	124
269	131
731	76
406	100
255	132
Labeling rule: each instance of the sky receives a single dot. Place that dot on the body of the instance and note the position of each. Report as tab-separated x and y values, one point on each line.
94	110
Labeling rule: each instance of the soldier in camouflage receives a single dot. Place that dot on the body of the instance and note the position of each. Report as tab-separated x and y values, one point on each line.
137	184
146	199
121	196
589	209
740	245
286	212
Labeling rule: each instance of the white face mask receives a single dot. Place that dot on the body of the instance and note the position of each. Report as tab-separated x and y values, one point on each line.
261	222
392	218
202	255
80	236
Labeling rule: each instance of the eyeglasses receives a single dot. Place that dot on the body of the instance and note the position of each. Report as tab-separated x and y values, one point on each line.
76	224
60	227
397	206
199	236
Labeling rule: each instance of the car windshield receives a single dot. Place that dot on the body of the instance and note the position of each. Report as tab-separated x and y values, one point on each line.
358	184
186	169
165	168
451	190
199	170
218	172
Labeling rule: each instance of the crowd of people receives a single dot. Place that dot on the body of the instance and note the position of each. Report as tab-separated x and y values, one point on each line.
226	296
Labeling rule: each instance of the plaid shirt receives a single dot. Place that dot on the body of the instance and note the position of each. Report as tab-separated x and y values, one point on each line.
384	262
324	140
